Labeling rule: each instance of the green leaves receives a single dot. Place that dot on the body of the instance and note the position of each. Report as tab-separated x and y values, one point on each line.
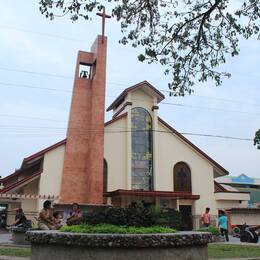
190	39
141	57
115	229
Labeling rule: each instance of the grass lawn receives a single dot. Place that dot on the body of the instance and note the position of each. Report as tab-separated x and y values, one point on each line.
15	251
233	251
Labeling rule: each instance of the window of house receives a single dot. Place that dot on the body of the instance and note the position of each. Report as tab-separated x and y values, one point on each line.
182	177
142	147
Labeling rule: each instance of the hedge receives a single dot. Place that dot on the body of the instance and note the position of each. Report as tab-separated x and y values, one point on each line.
135	216
112	229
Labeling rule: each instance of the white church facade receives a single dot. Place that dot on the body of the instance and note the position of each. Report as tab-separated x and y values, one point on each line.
145	159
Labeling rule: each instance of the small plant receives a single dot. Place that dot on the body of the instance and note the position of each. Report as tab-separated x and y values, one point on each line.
213	230
112	229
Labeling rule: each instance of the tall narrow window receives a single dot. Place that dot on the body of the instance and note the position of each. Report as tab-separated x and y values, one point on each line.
142	150
182	177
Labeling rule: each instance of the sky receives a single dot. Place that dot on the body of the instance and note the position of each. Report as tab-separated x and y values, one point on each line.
34	108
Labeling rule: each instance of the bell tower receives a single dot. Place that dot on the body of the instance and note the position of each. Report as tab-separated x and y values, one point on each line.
82	180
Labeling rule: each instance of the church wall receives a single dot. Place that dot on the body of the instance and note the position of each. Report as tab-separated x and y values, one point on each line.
171	150
141	99
115	153
29	206
50	181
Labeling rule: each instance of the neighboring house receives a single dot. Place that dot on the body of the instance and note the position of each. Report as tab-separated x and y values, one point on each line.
145	159
244	183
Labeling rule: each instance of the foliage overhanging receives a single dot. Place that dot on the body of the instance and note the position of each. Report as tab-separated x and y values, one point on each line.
190	39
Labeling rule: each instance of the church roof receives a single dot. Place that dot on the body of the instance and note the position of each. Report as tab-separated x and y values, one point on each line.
12	178
42	152
144	84
218	166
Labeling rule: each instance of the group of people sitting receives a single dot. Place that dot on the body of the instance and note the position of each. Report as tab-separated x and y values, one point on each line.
49	219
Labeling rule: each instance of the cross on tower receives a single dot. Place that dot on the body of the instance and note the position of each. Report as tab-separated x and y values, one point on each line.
104	16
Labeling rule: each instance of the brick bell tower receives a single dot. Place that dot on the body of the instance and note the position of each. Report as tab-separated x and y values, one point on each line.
82	180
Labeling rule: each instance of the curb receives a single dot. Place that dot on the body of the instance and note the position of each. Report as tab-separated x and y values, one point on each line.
5	257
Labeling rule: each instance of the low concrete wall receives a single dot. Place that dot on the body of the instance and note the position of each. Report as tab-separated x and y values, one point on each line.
53	245
18	235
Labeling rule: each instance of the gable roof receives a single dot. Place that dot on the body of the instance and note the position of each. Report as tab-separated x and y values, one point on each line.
42	152
49	148
142	84
22	182
218	166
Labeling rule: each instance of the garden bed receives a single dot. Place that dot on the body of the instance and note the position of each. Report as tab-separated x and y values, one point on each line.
113	229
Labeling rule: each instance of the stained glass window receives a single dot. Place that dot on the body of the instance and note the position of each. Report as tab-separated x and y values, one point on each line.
182	177
142	147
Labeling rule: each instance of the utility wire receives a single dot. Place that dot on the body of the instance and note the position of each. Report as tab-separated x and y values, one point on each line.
113	96
109	83
41	33
114	130
36	73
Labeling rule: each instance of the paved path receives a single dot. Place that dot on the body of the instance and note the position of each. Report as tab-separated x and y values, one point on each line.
5	238
248	258
236	241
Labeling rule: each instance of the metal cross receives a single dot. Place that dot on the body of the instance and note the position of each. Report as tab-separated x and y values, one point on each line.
104	16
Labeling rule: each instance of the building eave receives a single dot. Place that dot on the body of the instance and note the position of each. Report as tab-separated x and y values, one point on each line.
121	97
115	119
21	182
165	194
42	152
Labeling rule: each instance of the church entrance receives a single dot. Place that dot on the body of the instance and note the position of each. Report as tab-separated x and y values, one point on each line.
186	216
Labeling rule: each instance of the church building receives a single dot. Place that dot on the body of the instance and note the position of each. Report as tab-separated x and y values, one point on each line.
136	156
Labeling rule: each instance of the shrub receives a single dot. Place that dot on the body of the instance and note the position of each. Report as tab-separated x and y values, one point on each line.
171	218
137	216
215	231
112	229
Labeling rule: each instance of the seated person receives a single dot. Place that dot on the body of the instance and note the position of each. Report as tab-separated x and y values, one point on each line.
46	220
20	218
57	219
75	216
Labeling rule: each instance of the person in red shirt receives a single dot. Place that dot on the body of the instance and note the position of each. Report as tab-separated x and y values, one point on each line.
205	218
75	216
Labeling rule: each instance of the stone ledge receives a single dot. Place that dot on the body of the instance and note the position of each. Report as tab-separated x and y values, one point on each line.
179	239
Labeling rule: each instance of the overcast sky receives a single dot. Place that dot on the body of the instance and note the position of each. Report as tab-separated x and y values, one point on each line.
32	118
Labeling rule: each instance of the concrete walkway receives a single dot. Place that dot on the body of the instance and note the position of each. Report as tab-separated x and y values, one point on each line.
248	258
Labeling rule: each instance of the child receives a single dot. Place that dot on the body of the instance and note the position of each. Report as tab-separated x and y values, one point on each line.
57	219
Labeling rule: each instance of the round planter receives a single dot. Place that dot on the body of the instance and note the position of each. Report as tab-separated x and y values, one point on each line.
74	246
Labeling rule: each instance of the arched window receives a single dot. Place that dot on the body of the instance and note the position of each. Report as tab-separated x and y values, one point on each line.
182	177
105	176
142	149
